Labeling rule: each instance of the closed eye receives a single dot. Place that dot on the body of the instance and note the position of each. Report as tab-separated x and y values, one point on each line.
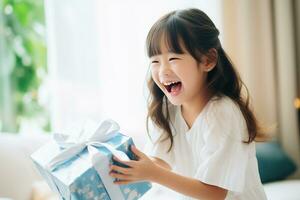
154	61
170	59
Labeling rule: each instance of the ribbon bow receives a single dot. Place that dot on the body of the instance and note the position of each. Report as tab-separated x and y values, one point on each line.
72	146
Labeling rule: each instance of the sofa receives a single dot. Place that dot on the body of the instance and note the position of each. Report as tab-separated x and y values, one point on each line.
17	172
20	181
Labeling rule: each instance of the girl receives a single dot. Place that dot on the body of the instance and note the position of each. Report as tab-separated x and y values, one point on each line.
204	147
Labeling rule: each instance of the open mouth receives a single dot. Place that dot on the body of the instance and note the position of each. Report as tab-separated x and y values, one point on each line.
173	86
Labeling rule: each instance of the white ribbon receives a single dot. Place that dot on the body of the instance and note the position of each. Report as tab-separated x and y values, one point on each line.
107	130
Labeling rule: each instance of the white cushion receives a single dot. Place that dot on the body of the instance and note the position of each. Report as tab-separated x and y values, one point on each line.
283	190
41	191
16	170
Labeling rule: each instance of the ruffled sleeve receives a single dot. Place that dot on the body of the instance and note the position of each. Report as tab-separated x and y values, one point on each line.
224	156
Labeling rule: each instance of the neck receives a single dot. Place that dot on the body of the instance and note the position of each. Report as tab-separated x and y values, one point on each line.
191	109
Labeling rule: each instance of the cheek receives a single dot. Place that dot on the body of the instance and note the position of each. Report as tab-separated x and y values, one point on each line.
192	78
185	74
155	76
198	81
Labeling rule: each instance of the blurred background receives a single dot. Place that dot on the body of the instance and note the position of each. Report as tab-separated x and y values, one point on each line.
65	61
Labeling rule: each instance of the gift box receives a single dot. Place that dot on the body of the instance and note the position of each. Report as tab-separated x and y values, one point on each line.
78	167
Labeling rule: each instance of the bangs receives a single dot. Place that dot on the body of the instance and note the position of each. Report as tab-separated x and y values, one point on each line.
165	32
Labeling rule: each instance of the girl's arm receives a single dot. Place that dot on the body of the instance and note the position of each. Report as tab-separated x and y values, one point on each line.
188	186
161	163
147	169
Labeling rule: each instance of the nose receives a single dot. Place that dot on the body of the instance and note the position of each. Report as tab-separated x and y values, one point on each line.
165	69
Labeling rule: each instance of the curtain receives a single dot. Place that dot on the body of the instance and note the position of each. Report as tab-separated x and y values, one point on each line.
259	37
286	65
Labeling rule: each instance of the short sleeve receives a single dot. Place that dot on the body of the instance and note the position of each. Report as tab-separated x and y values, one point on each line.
224	156
158	147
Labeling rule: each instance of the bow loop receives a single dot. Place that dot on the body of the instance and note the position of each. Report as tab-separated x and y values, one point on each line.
105	131
73	146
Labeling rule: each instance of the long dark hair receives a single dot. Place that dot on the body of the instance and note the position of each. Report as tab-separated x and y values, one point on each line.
195	30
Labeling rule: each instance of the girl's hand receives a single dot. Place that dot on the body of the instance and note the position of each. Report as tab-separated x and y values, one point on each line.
142	169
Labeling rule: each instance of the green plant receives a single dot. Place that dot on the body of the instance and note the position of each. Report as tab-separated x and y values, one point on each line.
23	63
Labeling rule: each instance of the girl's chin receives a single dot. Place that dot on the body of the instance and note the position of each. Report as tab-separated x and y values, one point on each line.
174	101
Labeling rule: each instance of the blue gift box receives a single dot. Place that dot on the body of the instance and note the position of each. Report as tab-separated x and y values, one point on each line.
78	178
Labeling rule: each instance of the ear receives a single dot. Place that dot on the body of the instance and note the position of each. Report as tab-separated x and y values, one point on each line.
209	60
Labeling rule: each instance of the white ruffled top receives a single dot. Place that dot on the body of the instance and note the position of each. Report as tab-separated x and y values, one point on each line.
212	150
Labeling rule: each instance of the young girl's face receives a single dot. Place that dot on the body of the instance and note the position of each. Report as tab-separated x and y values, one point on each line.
179	76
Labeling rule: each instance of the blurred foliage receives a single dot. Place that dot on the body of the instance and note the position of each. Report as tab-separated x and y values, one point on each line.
23	28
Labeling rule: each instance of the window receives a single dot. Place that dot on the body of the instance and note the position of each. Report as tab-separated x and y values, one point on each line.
97	59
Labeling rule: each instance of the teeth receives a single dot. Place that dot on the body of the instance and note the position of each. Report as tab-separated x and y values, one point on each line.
169	83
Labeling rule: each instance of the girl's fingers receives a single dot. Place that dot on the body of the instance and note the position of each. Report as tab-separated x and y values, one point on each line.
137	152
128	163
122	182
121	169
120	176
